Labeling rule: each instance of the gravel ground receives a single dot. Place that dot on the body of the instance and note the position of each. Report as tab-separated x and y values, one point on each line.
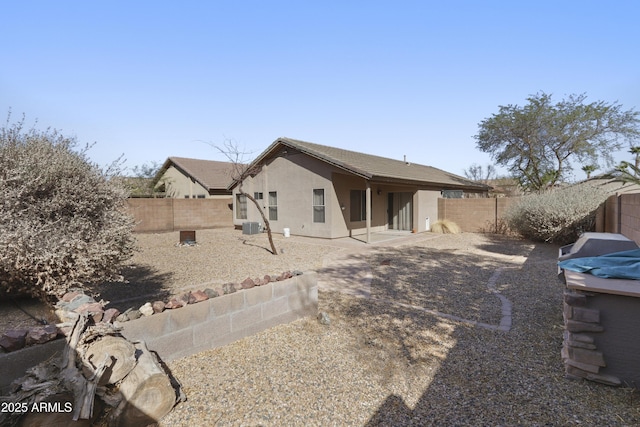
386	363
387	359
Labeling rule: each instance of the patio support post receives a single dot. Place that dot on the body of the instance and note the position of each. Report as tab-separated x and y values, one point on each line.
368	203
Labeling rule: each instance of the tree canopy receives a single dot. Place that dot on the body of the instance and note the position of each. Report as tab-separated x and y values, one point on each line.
539	141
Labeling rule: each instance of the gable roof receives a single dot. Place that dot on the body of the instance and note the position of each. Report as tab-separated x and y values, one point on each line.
373	167
211	174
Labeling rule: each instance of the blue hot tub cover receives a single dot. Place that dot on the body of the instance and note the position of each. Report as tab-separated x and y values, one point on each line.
616	265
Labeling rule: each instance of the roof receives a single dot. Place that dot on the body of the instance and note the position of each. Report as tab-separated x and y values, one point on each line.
374	167
211	174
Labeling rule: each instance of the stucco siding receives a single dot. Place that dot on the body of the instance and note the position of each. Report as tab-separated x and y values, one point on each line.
180	186
293	178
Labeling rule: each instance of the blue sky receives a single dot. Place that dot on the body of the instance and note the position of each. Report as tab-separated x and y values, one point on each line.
149	80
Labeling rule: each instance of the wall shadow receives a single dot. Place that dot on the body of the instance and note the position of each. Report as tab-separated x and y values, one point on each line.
142	283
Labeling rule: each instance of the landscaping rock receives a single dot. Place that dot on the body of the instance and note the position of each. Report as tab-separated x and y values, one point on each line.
323	318
247	283
134	314
78	301
228	288
110	315
13	340
41	334
70	295
146	310
199	296
211	293
267	279
174	303
158	306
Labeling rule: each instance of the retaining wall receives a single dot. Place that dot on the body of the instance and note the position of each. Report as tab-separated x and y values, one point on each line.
208	324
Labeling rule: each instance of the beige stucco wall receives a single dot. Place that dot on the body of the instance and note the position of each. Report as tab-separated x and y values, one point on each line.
295	176
179	186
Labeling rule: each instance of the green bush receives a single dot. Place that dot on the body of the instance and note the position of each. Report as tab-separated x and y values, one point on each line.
63	221
558	215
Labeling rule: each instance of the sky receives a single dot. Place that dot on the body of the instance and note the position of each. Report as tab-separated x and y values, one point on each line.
146	80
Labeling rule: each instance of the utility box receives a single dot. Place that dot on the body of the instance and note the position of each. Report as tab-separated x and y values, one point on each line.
187	237
250	228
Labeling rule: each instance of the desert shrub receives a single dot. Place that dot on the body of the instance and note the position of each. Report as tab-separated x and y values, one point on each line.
63	221
445	226
558	215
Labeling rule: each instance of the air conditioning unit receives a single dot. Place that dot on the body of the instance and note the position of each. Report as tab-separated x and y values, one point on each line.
250	228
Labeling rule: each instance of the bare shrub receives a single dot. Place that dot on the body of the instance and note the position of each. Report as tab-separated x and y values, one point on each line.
62	219
445	226
558	215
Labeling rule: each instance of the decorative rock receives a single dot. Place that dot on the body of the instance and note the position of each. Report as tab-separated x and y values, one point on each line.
70	295
13	340
575	299
247	283
323	318
589	357
186	298
146	310
296	273
110	315
41	334
586	315
174	303
199	296
158	306
211	293
267	279
575	326
228	288
605	379
134	314
78	301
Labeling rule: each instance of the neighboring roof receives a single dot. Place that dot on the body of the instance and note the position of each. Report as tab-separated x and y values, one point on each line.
211	174
373	167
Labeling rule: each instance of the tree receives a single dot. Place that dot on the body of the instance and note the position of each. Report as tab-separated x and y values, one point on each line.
63	221
141	183
475	172
589	169
240	172
537	142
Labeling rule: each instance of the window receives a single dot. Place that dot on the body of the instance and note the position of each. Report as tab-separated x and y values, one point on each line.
258	196
186	196
318	205
201	196
358	205
241	206
273	205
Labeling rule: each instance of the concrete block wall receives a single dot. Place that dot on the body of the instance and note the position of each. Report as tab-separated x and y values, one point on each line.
194	328
630	216
474	215
176	214
222	320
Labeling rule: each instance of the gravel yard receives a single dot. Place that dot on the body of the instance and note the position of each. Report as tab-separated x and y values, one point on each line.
385	361
420	348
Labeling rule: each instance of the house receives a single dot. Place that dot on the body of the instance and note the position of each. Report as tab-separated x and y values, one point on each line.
181	177
320	191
